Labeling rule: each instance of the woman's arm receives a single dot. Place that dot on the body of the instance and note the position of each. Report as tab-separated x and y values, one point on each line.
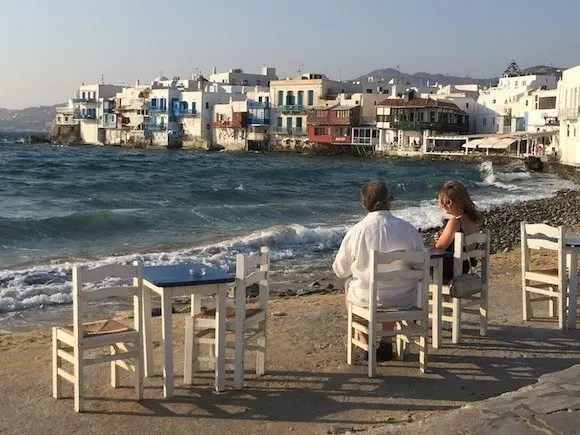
448	235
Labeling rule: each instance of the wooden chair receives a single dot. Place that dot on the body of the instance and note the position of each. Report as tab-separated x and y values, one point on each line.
246	322
76	343
477	304
409	323
550	284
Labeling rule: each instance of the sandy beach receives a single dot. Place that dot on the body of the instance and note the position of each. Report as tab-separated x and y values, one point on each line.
309	388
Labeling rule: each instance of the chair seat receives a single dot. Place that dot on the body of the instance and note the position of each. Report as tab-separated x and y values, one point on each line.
100	327
230	313
397	310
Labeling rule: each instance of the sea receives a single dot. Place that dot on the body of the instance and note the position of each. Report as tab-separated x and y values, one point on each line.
63	206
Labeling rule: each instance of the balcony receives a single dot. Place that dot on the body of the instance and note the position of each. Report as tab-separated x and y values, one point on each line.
84	100
292	108
157	109
256	120
569	114
436	126
290	131
184	112
157	127
109	124
258	105
228	124
92	116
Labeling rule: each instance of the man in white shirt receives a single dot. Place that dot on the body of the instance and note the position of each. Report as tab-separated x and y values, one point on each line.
381	231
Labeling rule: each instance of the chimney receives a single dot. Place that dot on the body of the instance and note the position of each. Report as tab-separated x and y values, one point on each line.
214	70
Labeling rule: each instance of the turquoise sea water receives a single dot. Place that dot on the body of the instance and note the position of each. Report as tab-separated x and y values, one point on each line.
66	205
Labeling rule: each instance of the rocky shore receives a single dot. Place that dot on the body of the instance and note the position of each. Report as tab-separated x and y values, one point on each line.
504	222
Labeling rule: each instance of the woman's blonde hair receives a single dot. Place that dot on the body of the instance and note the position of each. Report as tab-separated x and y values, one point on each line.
455	193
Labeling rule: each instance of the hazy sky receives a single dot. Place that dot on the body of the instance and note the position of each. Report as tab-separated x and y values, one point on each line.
49	47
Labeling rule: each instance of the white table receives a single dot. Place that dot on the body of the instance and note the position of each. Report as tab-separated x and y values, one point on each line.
174	281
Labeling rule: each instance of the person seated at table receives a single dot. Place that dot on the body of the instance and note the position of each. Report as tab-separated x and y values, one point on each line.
455	200
381	231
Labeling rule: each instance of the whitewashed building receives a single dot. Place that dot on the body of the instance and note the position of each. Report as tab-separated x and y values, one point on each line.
238	77
569	116
494	113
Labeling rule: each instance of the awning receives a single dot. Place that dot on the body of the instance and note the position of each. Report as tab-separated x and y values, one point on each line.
490	143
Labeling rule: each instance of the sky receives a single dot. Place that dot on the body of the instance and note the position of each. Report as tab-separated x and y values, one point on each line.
49	48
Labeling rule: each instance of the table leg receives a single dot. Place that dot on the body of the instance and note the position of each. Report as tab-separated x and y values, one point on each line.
573	289
147	333
436	325
167	335
220	335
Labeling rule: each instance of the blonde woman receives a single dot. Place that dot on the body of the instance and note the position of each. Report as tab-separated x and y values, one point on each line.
455	200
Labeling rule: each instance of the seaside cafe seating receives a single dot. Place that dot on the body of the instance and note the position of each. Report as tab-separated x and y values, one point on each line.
81	344
548	284
477	304
409	323
246	323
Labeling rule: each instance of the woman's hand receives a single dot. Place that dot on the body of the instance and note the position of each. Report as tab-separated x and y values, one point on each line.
436	236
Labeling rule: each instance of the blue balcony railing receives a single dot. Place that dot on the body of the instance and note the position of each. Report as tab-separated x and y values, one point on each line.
185	112
85	116
109	124
157	127
157	109
258	105
83	100
290	131
291	108
255	120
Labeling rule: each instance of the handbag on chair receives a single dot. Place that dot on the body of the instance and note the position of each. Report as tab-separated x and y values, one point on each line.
466	284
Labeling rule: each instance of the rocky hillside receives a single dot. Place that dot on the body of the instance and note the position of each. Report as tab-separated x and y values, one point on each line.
31	119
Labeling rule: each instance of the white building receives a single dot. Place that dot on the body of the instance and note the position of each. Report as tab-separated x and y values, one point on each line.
292	98
126	120
238	77
569	116
494	114
463	96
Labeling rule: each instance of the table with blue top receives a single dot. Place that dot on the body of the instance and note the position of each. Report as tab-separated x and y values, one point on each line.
436	288
190	279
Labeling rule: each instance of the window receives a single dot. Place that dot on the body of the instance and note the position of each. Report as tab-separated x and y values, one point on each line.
289	122
153	102
568	130
300	98
526	102
492	121
280	98
267	100
310	98
484	121
299	122
279	121
421	116
59	119
193	107
432	116
207	105
342	113
290	98
467	105
493	101
320	131
259	99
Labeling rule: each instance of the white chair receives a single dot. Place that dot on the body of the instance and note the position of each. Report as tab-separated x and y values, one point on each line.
247	321
76	344
549	284
477	304
409	323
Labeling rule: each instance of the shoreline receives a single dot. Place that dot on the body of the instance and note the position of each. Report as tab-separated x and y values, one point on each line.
504	222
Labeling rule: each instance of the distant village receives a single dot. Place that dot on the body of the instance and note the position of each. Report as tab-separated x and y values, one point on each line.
235	111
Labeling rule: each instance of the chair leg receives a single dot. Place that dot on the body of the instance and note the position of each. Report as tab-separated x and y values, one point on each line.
552	307
188	351
239	359
483	307
79	381
562	308
56	382
114	369
456	327
372	349
349	336
423	354
261	352
139	370
526	304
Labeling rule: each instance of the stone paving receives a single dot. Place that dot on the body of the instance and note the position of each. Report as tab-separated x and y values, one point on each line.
551	406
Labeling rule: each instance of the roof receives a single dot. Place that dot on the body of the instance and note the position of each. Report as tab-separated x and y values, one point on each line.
420	102
490	143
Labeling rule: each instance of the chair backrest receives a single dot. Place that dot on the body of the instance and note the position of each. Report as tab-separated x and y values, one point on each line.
98	283
475	246
542	236
410	266
253	269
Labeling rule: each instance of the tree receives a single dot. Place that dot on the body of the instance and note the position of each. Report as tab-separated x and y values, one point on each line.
513	69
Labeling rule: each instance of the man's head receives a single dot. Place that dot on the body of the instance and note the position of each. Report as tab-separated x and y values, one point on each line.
375	196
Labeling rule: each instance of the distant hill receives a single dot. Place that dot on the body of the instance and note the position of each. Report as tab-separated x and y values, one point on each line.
419	78
31	119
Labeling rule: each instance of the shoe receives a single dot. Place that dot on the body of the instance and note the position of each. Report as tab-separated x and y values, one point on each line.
384	352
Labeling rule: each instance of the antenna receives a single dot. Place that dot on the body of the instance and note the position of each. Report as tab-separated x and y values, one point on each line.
300	66
340	74
102	79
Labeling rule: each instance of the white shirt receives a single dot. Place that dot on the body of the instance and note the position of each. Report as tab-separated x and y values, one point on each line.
381	231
